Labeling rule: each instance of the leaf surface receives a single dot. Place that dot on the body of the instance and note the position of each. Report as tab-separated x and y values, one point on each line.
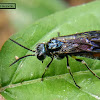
22	81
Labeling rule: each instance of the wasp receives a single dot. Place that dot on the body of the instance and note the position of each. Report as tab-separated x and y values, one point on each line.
85	44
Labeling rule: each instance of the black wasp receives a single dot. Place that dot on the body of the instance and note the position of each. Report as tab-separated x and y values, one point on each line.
86	44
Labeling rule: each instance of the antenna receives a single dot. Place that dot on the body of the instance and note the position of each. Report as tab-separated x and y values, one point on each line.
21	45
21	58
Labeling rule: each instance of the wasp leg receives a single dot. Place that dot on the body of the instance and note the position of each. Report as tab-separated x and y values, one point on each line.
47	68
83	62
68	67
58	34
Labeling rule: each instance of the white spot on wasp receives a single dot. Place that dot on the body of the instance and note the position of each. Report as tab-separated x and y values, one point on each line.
75	45
63	39
87	40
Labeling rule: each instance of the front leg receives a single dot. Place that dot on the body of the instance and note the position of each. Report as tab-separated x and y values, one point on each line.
47	68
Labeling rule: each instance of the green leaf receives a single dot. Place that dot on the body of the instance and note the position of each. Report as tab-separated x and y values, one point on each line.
22	81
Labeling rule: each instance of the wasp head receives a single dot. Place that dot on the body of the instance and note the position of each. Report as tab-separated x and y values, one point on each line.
41	51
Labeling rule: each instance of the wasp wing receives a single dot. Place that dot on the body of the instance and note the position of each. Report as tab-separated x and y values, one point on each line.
80	42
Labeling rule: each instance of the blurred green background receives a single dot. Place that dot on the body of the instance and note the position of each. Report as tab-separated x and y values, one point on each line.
27	12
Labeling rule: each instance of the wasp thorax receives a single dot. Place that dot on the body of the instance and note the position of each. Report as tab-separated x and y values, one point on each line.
40	51
54	44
